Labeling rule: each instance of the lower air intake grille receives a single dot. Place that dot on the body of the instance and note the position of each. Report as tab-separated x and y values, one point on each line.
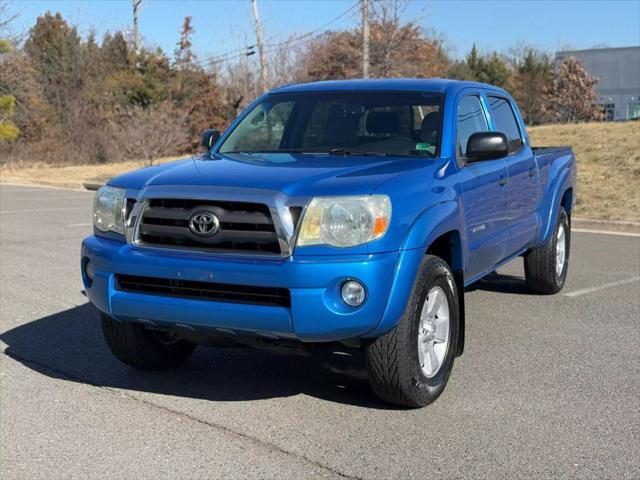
220	292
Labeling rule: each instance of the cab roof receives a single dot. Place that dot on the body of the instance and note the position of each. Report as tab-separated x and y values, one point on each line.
391	84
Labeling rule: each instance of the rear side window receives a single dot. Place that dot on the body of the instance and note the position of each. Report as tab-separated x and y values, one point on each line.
470	120
504	120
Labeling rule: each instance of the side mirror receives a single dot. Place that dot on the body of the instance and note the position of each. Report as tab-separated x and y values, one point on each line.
209	138
487	146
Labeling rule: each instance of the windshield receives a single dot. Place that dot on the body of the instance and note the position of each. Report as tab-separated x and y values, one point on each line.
341	123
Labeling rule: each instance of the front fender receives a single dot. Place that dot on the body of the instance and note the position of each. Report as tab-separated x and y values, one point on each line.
429	225
561	178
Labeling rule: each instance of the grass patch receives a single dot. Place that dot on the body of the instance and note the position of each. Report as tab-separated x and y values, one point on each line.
608	157
72	176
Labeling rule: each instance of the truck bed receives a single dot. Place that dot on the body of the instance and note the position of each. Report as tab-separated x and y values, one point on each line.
538	151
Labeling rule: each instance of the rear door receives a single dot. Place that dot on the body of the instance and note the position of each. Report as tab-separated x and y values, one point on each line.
523	175
484	192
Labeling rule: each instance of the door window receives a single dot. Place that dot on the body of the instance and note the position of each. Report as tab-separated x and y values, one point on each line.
471	119
504	120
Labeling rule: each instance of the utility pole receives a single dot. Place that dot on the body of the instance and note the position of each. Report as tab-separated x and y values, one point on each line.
137	6
260	41
365	38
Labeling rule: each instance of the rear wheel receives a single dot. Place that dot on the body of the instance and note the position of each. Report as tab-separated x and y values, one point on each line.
411	364
546	267
140	347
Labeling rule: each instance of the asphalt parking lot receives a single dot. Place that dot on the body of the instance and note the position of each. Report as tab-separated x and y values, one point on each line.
548	387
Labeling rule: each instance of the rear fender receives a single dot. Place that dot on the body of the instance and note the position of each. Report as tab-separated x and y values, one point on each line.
560	180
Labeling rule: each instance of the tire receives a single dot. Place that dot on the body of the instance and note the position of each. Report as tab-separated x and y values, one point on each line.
394	360
542	265
139	347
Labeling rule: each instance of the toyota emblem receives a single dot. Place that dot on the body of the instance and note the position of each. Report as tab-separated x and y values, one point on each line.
204	224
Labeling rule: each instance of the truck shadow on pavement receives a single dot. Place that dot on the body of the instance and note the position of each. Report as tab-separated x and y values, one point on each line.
502	283
69	346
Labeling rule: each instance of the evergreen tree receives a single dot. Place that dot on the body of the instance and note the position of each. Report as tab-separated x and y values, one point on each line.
533	86
114	53
8	129
184	56
55	49
494	71
490	69
474	62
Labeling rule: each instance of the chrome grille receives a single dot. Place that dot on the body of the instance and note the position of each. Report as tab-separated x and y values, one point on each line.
244	227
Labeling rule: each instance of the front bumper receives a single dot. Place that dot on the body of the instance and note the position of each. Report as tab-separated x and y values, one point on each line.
316	314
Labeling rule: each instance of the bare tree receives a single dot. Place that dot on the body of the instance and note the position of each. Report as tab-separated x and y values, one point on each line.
147	134
386	14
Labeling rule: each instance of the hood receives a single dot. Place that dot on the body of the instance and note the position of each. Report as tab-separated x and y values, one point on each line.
291	174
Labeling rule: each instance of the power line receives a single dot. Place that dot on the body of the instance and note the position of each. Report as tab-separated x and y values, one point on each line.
250	50
321	29
226	54
211	62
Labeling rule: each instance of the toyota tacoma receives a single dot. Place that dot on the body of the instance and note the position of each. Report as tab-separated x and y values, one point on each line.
340	212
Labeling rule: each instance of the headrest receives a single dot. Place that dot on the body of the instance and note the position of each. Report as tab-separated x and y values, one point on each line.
429	127
340	129
383	123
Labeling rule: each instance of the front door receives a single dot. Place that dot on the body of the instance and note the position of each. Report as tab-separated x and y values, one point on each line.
484	194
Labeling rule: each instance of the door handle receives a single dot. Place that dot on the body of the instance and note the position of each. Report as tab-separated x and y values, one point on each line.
503	181
532	172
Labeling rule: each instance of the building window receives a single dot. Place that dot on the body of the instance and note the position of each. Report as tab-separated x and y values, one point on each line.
608	109
633	110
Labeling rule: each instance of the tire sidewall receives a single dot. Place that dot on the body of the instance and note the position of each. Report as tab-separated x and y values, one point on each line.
564	221
436	273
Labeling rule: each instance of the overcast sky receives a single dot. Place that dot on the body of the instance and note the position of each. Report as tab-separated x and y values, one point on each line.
225	25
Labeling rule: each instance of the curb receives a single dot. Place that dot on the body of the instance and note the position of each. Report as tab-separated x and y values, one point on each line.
606	225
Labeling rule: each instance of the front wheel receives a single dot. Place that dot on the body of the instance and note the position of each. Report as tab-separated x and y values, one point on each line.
411	364
545	267
139	347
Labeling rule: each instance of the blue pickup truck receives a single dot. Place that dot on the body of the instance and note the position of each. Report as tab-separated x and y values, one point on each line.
343	212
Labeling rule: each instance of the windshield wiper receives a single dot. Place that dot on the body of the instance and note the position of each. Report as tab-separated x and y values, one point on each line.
343	151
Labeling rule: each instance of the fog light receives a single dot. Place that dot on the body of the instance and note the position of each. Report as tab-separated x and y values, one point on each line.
353	293
88	270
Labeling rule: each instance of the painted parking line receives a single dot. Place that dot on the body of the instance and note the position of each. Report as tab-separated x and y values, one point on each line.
32	187
584	291
37	210
79	225
50	197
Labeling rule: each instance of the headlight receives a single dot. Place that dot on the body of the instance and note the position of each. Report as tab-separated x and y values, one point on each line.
345	221
108	209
